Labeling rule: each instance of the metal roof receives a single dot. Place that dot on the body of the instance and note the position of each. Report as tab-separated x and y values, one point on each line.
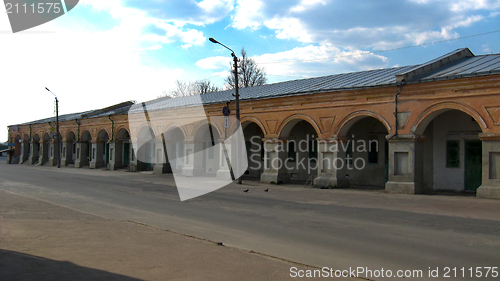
66	117
434	64
337	82
466	67
120	108
456	64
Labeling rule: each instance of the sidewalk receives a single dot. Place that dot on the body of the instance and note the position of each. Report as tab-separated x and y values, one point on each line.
42	241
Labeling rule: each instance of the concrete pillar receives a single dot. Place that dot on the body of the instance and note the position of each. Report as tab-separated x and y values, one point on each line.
161	166
227	152
132	167
34	148
81	154
10	156
24	155
52	153
193	162
331	160
67	153
405	165
96	155
275	155
490	187
43	153
175	156
189	158
115	155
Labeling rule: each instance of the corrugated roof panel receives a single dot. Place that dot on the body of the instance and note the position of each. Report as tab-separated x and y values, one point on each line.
370	78
337	81
390	77
463	66
455	55
486	65
467	66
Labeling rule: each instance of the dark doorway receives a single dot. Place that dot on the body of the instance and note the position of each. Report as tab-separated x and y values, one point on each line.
473	164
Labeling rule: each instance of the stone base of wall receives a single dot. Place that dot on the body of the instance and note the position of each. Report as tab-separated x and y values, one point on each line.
275	178
326	180
489	192
97	164
159	169
224	175
401	187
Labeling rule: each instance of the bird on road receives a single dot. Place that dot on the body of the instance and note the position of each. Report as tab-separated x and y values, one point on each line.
266	190
246	190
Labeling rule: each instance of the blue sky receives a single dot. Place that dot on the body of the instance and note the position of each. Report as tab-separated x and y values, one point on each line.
107	51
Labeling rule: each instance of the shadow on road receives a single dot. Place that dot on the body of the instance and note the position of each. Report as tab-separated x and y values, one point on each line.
19	266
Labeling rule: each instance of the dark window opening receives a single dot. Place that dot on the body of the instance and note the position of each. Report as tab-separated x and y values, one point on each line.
452	154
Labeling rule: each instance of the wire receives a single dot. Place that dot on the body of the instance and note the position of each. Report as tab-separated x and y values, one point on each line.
381	51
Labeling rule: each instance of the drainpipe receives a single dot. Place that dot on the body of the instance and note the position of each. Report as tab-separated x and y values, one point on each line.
112	128
78	123
402	83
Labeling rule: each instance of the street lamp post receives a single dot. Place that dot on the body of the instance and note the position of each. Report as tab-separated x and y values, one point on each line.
58	150
237	94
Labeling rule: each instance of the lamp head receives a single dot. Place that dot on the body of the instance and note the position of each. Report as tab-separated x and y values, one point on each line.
213	40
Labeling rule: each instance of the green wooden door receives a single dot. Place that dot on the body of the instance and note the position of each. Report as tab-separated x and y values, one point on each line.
473	164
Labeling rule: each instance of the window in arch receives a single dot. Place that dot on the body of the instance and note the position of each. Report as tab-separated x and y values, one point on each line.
452	154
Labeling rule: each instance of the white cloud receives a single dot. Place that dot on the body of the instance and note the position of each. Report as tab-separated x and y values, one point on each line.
213	6
173	33
213	62
468	21
365	24
249	14
311	60
133	22
155	47
307	61
467	5
430	36
184	12
86	70
306	5
289	28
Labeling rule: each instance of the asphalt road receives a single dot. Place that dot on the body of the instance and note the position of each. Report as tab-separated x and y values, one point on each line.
367	229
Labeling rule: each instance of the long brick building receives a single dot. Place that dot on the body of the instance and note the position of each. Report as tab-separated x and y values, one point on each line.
412	129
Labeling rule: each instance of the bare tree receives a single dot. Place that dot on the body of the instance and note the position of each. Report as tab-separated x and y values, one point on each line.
198	87
205	87
249	73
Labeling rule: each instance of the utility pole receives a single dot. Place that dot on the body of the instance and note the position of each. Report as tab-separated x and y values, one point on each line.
58	150
236	94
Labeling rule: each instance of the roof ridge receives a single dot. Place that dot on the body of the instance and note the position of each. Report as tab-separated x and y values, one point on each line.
434	64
